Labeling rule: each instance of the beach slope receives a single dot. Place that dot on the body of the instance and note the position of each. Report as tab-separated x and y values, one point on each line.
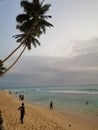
37	117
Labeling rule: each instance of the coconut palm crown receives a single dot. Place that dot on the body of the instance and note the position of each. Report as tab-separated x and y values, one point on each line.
32	23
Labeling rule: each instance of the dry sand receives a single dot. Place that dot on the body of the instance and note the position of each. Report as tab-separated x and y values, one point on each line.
40	118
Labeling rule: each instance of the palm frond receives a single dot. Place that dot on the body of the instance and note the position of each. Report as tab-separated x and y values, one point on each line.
31	40
44	23
22	17
44	9
35	42
19	35
26	5
45	17
25	26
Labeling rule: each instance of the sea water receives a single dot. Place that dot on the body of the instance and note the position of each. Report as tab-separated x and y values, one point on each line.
82	99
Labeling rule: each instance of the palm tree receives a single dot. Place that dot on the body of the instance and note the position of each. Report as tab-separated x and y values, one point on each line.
32	23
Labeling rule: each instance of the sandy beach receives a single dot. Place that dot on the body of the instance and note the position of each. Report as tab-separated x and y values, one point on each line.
40	118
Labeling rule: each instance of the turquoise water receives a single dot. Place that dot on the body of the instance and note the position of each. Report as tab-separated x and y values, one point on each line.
71	98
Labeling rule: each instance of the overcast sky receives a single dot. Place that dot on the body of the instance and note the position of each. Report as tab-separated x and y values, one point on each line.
68	54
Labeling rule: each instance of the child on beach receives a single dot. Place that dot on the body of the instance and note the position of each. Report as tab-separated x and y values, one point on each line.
22	112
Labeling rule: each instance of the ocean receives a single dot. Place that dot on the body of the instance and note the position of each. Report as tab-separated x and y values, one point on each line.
82	99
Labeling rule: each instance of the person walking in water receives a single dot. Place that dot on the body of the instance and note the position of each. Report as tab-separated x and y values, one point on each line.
51	105
22	112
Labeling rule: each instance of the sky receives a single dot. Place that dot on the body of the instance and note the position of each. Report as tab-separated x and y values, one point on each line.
68	54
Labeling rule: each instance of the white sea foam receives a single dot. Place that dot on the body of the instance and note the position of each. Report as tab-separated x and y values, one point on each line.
73	91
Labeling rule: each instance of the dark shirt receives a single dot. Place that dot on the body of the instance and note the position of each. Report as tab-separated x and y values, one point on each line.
22	109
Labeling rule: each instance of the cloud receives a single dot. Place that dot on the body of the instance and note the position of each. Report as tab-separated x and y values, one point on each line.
81	68
86	47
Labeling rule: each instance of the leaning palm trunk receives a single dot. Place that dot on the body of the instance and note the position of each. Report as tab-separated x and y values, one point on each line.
11	53
15	61
23	42
29	32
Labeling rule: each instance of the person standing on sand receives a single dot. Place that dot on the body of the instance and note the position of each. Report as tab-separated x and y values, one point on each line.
51	105
22	112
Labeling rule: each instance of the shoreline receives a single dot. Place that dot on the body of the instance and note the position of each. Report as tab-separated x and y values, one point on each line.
41	118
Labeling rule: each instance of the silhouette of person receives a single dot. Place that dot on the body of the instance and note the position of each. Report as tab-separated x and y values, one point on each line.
51	105
86	102
22	112
20	96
